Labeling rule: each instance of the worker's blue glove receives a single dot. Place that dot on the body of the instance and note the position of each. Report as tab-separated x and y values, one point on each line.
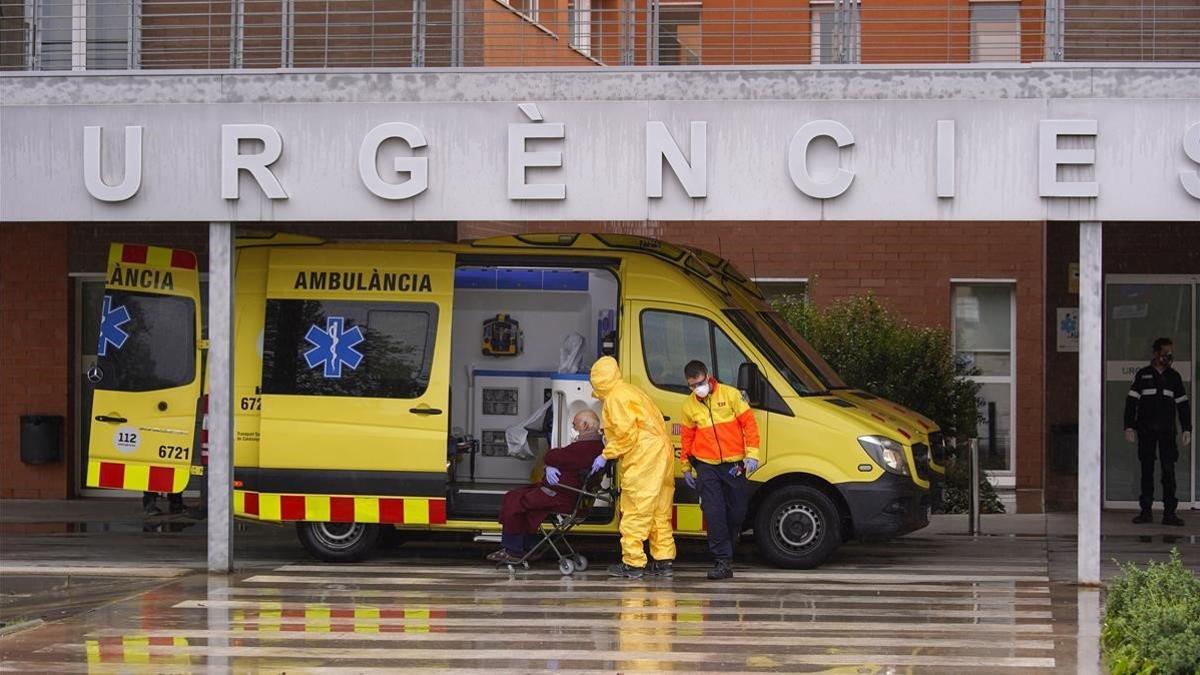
598	464
690	479
552	475
751	465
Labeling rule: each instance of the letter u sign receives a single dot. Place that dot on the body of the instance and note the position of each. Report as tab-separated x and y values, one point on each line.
93	165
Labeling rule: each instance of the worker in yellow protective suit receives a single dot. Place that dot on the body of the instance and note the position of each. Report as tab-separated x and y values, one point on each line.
637	438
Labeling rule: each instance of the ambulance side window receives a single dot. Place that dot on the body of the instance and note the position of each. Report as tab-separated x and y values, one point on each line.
671	339
347	348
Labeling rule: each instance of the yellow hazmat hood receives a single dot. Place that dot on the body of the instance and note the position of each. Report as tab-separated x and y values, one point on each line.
606	375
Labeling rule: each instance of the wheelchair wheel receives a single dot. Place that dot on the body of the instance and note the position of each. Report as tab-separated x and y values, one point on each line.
581	563
566	566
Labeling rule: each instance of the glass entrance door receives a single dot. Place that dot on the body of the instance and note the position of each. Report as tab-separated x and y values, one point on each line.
1138	310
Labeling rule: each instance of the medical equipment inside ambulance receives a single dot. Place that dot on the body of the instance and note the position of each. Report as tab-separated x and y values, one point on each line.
514	398
502	336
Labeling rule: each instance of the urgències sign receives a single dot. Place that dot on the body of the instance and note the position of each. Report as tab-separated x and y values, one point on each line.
859	160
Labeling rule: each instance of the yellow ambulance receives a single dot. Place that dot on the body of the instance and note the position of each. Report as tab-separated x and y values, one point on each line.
410	385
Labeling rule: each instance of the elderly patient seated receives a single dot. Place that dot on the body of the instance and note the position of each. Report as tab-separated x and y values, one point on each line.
525	508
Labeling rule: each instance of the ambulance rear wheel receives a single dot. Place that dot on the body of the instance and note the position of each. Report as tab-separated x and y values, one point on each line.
797	527
338	542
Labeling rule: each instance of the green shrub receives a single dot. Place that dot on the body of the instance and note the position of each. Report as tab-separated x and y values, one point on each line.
1152	620
915	366
956	498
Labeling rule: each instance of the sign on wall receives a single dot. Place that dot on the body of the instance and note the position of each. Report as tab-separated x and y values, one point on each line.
1067	329
1008	159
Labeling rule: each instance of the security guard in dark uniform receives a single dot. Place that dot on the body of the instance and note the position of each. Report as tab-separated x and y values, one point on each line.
1156	398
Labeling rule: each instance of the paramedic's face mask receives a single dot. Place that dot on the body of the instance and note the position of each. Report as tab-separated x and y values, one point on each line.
700	386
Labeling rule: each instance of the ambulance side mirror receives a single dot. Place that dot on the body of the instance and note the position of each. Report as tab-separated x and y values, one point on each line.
750	381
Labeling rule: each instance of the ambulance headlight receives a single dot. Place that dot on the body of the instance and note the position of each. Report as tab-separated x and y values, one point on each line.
887	453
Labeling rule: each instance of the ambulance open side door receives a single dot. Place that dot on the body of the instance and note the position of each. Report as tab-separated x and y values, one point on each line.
355	386
146	381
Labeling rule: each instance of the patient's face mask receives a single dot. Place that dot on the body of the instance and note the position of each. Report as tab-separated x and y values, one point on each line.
573	435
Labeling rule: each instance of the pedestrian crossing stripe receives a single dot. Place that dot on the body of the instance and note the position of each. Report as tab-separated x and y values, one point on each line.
137	476
132	649
276	507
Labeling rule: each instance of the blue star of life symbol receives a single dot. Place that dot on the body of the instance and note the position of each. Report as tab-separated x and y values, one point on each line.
111	332
334	346
1070	325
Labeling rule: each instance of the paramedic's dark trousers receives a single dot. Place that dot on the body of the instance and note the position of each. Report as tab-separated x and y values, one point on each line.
1161	446
723	501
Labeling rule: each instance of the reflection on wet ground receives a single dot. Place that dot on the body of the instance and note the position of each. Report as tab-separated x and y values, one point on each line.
912	605
935	601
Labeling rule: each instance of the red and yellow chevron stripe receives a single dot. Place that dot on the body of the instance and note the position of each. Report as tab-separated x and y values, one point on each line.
339	509
137	476
154	256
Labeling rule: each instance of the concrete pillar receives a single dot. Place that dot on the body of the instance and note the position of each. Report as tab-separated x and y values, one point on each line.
220	397
1091	381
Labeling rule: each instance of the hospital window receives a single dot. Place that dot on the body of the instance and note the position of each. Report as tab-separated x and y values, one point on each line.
91	35
774	288
836	33
579	18
984	320
679	36
346	348
528	8
995	32
671	339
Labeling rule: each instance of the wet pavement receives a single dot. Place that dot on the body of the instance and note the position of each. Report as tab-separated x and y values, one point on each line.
869	611
933	602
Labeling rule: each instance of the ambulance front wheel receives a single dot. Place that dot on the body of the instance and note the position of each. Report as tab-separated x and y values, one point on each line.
797	527
338	542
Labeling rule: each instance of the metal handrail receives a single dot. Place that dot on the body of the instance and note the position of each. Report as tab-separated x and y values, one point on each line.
122	34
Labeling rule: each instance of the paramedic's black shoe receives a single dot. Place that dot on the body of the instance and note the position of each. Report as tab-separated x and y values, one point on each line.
1172	519
721	570
661	568
626	571
1144	517
151	510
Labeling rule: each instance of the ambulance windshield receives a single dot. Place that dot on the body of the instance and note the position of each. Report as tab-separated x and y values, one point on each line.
804	351
780	357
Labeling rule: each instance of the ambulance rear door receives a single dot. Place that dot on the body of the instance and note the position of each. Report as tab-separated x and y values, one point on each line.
146	381
355	386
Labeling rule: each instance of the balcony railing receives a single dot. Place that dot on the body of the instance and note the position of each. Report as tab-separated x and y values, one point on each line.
189	34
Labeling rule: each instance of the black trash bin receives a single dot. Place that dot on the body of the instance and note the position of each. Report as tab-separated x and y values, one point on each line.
41	439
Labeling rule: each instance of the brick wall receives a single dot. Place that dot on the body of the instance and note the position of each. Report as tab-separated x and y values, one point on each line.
908	265
1132	30
33	352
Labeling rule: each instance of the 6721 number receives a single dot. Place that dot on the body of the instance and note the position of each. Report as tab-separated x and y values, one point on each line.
174	452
